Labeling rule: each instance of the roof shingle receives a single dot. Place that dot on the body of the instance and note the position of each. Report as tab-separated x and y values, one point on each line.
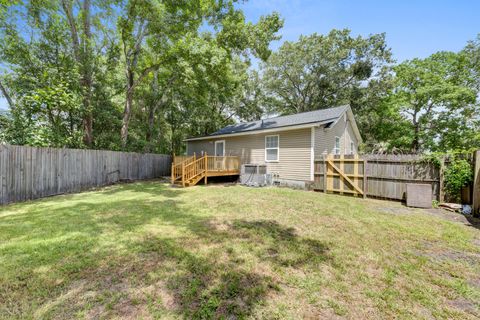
323	115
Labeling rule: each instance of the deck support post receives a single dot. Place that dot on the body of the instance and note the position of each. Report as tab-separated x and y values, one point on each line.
183	174
206	167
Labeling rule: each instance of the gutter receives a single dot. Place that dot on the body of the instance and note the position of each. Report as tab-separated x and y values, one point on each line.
259	131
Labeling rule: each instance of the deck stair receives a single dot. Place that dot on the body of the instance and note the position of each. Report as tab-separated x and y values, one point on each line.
189	170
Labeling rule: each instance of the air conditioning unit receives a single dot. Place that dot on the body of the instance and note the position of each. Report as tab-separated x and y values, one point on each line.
255	175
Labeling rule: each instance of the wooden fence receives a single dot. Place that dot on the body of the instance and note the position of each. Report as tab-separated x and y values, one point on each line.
380	176
476	183
29	173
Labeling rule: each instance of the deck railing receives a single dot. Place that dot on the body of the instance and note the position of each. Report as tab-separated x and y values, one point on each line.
193	169
180	159
226	163
189	170
178	163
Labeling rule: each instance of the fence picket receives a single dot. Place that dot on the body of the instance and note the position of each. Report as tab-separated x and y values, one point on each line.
29	173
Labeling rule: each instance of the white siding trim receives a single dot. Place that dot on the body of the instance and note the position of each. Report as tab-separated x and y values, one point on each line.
312	154
278	148
335	149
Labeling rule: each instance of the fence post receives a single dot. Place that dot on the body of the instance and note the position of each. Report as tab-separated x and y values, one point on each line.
476	183
441	195
365	184
325	174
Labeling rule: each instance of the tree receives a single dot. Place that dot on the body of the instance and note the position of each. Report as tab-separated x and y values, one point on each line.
152	34
433	95
321	71
124	74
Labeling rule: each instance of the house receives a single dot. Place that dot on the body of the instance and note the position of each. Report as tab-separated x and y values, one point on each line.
287	145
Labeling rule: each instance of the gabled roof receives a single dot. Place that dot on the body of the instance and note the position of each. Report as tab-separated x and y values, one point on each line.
318	117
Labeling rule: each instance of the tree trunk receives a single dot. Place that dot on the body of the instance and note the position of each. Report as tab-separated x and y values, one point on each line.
83	54
416	136
151	123
128	108
87	77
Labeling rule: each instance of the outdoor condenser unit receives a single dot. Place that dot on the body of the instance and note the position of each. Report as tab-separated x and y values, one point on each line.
255	175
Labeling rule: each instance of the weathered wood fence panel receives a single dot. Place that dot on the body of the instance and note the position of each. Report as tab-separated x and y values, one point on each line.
387	175
30	173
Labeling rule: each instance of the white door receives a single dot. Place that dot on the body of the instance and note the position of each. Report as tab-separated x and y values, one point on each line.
220	153
220	148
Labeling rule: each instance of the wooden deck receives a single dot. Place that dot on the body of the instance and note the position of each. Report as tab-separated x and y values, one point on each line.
189	170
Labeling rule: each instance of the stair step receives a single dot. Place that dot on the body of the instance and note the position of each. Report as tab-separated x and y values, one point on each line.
190	182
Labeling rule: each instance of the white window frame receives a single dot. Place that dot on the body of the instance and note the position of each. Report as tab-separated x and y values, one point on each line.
215	151
277	148
335	149
352	147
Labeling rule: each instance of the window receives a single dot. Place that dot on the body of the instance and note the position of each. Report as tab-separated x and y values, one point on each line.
352	147
271	148
336	150
220	148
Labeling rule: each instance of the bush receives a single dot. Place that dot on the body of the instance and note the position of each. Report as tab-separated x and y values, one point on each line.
458	174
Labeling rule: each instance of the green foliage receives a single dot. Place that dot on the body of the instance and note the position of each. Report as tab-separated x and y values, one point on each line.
458	174
144	75
433	96
322	71
131	75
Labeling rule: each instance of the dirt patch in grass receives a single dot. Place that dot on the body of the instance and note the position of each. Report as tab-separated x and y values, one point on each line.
465	305
442	254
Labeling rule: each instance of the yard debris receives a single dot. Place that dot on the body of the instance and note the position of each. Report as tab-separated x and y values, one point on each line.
466	209
454	207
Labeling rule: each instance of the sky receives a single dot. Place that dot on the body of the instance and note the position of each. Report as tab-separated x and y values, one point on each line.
413	28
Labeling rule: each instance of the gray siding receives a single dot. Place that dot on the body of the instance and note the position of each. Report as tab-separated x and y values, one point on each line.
294	154
325	138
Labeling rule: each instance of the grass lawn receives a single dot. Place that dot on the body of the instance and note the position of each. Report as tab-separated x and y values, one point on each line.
146	250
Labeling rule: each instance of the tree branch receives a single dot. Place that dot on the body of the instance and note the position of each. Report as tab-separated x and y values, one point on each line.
6	95
67	7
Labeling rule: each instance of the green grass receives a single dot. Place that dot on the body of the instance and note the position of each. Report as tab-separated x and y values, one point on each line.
146	250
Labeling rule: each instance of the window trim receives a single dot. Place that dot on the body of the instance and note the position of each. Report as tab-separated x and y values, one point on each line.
352	147
277	148
215	150
335	149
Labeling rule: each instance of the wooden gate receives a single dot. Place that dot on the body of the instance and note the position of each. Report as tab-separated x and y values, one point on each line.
343	174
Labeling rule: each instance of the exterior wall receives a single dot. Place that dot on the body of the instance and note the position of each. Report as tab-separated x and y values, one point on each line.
295	156
325	138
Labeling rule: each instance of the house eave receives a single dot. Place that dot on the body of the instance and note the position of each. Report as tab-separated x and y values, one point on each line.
260	131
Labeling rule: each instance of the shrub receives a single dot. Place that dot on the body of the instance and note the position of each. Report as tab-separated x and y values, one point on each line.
458	174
